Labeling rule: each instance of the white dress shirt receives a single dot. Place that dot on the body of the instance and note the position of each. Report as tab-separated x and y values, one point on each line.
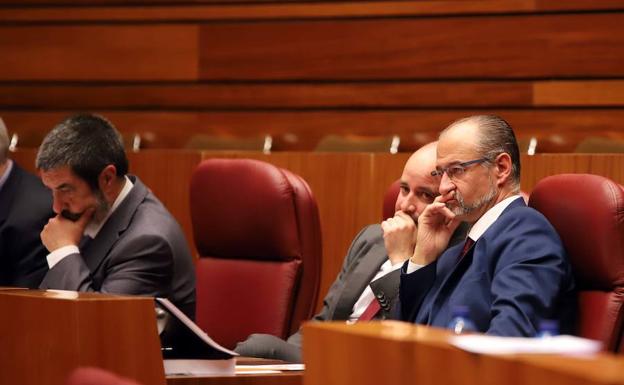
92	229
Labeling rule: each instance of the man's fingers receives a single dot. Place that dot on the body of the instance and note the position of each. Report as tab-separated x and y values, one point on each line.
453	224
85	217
404	218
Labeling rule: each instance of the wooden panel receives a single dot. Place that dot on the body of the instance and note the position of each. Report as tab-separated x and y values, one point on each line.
45	335
168	175
475	47
337	354
118	52
492	94
219	10
303	129
579	93
298	95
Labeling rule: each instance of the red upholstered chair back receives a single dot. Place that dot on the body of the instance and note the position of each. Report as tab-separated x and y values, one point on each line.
588	213
258	234
390	198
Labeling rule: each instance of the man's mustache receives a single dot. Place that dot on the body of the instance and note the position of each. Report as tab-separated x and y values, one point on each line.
71	216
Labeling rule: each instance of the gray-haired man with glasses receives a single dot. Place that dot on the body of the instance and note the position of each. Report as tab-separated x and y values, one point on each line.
512	270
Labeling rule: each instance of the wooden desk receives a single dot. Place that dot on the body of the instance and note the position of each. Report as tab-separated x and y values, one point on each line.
46	334
400	353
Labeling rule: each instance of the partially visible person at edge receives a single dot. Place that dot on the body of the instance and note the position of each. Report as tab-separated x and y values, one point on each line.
25	207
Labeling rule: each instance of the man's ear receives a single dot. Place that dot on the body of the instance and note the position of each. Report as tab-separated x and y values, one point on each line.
503	167
107	178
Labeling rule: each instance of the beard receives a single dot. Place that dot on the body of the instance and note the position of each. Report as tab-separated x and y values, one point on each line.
461	208
101	208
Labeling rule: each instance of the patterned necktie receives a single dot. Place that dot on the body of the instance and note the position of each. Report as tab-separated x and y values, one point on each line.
467	246
371	310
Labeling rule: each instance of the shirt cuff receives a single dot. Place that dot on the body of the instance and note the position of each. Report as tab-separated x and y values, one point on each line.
412	267
57	255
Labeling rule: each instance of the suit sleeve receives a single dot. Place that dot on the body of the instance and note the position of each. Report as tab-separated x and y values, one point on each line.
143	266
531	281
355	250
386	290
413	289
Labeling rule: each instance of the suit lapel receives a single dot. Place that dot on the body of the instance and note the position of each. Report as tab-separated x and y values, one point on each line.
358	278
96	251
453	270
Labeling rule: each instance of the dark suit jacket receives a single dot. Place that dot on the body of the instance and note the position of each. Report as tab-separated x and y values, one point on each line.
25	207
515	275
140	250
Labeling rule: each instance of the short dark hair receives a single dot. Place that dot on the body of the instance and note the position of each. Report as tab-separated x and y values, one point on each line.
495	137
86	143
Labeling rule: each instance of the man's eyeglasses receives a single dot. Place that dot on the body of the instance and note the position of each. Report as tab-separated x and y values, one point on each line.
457	169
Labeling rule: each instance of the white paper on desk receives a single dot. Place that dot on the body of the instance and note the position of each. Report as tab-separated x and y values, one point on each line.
514	345
200	367
278	367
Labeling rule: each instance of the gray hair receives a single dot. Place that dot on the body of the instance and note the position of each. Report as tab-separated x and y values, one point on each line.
495	137
86	143
4	142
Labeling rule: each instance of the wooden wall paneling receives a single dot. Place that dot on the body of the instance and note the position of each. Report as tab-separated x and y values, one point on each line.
399	94
560	129
276	95
537	167
168	175
579	93
559	45
162	10
101	52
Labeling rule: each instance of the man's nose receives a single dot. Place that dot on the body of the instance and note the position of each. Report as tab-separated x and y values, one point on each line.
57	204
446	184
408	206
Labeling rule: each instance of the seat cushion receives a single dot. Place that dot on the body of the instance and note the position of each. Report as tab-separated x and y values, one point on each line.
225	304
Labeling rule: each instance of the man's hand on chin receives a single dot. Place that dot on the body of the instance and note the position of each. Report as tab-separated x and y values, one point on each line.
399	233
60	231
436	225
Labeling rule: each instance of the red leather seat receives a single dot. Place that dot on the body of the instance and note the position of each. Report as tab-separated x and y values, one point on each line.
389	201
588	213
258	234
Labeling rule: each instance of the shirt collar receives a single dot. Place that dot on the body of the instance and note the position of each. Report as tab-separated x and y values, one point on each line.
7	172
489	218
94	228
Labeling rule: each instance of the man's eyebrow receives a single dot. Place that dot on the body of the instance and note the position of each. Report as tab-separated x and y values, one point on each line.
62	186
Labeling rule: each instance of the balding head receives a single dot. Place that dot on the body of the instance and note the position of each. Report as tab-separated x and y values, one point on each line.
418	187
489	136
4	142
